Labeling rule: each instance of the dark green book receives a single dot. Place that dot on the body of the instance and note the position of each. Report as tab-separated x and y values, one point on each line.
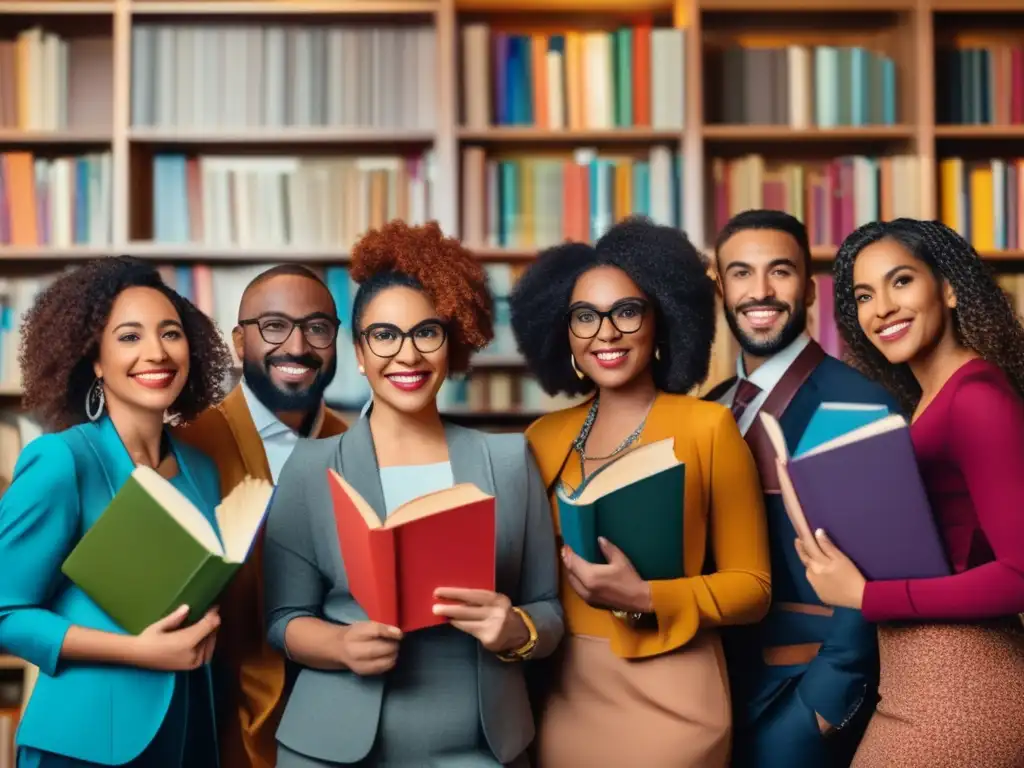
152	550
636	503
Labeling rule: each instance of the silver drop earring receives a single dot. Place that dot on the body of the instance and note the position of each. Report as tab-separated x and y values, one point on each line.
95	400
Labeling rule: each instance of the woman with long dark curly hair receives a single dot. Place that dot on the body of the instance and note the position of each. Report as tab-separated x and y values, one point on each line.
630	322
452	694
922	314
109	354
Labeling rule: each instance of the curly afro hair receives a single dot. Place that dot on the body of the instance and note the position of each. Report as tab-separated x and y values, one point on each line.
61	338
422	258
662	262
984	319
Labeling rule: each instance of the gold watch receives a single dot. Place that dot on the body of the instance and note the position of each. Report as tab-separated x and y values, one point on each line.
524	651
632	618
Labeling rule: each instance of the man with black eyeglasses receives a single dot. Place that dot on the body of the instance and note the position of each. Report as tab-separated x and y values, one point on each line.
286	338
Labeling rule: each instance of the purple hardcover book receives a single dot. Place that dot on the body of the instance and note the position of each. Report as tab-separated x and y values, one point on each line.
864	489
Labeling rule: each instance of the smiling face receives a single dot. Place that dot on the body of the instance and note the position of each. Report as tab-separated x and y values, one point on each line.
404	373
765	289
611	350
288	375
143	353
901	306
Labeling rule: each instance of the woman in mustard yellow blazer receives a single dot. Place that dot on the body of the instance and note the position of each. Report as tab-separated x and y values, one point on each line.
642	678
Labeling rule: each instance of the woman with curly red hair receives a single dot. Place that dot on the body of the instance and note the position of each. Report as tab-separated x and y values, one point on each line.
108	353
450	695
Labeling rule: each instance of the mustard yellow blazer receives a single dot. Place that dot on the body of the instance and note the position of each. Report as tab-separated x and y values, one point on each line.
723	503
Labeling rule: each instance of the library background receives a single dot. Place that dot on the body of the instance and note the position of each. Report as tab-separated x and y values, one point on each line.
218	137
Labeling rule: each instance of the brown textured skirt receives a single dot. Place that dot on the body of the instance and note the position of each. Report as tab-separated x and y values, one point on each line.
669	711
952	696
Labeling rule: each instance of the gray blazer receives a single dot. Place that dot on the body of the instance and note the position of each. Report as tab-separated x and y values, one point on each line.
333	715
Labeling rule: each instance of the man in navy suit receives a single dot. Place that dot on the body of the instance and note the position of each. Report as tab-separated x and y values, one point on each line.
805	679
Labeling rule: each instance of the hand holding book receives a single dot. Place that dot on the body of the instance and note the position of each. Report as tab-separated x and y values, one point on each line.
614	585
487	616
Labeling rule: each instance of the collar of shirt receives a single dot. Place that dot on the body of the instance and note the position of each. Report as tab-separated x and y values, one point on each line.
771	371
266	422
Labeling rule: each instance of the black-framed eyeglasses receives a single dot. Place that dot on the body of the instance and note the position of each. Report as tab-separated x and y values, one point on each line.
386	339
626	316
319	330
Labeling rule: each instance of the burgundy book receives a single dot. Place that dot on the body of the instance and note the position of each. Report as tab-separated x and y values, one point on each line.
864	489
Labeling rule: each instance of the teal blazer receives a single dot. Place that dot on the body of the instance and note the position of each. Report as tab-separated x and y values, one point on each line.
62	483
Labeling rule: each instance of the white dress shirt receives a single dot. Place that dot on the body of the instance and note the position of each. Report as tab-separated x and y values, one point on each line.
767	376
278	438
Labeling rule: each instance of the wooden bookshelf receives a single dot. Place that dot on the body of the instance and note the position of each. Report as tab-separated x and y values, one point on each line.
910	35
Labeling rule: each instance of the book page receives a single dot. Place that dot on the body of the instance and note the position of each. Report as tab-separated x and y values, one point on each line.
631	467
433	503
888	424
240	515
364	509
179	508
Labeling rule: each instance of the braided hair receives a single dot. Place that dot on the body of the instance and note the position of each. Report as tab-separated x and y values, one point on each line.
984	319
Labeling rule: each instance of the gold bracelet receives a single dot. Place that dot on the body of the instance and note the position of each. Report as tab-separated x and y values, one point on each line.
524	651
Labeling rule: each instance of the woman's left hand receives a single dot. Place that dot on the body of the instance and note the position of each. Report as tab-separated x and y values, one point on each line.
615	585
834	577
487	616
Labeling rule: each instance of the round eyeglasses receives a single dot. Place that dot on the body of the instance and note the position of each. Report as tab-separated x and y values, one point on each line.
318	330
386	339
626	317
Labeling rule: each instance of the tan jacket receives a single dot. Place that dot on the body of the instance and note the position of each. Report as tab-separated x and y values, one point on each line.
227	434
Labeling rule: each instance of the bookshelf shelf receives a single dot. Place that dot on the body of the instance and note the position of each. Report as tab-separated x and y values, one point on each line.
72	137
529	135
191	252
784	133
804	6
567	6
976	132
43	253
56	8
278	137
284	7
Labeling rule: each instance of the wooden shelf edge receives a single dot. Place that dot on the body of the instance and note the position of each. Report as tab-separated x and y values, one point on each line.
562	6
787	133
56	8
819	6
279	136
976	6
505	133
969	132
54	253
235	254
289	8
58	137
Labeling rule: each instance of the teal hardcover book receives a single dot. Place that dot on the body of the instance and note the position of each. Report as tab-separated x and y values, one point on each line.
636	503
832	420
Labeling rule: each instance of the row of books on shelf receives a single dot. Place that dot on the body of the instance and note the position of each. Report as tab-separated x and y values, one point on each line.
802	86
831	197
533	201
980	85
59	201
633	76
48	82
286	201
261	76
984	201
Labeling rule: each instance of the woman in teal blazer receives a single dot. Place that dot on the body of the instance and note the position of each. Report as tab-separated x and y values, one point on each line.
109	354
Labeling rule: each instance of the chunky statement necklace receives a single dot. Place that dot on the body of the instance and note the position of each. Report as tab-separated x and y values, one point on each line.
580	443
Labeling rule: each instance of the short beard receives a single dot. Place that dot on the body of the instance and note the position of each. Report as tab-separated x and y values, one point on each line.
257	378
755	347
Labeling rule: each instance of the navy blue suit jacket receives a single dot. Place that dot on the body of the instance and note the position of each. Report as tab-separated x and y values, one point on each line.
840	683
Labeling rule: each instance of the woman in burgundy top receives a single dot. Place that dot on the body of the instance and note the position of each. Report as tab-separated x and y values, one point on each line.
921	313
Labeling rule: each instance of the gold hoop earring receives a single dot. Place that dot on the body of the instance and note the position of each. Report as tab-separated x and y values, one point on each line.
579	374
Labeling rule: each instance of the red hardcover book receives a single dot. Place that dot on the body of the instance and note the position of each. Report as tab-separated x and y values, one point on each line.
442	539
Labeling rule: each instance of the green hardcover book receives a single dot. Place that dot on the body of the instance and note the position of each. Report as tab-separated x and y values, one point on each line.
152	550
636	503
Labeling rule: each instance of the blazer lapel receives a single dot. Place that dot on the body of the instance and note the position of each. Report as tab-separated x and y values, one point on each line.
250	445
359	465
113	456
